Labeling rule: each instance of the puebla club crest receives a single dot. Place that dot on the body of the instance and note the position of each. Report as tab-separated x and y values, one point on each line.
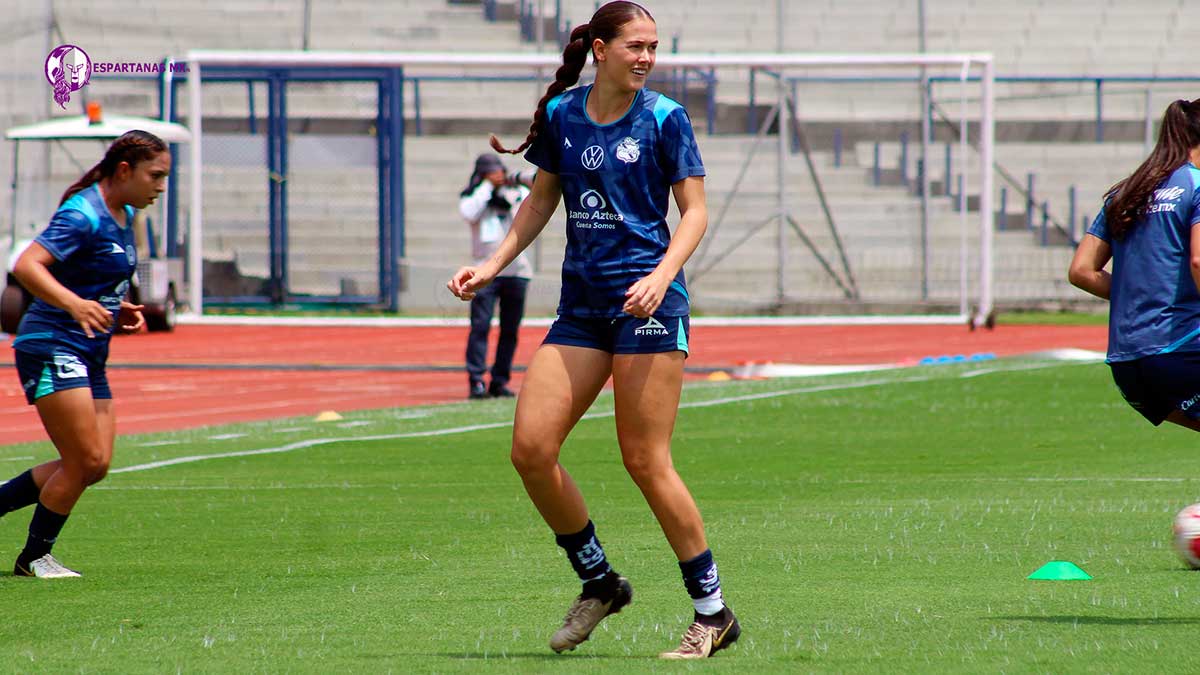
628	150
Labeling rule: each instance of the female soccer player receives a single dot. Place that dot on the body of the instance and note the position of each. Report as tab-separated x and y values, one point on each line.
1148	227
79	269
613	150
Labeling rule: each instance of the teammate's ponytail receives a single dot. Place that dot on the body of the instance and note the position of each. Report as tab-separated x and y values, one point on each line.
1128	199
605	25
131	147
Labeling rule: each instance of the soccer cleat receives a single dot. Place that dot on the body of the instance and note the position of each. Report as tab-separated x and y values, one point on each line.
587	613
706	636
45	567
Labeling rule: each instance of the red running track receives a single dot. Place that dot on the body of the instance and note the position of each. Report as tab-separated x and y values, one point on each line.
153	399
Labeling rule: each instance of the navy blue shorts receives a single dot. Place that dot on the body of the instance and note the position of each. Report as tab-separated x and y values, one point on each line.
45	370
623	335
1157	385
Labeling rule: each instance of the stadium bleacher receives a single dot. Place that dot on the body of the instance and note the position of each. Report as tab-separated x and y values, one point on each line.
878	224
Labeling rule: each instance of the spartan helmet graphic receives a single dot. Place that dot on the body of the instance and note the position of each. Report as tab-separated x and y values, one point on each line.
68	69
77	66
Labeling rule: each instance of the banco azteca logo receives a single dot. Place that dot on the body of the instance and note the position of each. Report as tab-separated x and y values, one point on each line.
68	69
592	200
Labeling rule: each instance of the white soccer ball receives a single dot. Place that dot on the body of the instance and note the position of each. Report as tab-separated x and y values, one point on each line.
1187	535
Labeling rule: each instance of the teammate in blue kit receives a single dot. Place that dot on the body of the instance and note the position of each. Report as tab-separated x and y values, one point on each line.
1148	227
79	269
615	152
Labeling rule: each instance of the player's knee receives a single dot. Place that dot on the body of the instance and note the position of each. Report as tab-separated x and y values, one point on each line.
95	469
98	473
86	470
646	467
89	469
531	456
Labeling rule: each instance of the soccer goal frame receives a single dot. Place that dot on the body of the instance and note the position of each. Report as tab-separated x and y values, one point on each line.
974	67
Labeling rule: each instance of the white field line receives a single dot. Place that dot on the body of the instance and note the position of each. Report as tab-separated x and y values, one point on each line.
798	481
313	442
459	321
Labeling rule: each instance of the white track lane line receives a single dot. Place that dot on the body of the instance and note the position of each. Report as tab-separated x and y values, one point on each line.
313	442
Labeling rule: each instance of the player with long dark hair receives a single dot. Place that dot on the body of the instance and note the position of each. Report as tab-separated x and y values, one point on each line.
1148	228
615	152
79	270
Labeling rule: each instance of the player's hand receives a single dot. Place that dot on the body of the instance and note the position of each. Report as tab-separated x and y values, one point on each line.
92	316
645	295
467	281
131	317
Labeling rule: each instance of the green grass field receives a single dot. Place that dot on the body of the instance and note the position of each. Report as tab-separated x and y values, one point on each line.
868	523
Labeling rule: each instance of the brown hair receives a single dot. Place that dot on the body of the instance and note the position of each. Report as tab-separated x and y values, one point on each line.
132	147
1128	199
605	25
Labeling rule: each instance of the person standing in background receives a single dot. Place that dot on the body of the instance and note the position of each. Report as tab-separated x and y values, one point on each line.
488	203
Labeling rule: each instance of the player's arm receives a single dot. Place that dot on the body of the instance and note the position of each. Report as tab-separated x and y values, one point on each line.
644	297
33	271
1195	256
1093	253
527	224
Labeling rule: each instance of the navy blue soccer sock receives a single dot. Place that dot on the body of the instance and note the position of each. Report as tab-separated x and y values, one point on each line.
43	532
586	554
703	583
18	493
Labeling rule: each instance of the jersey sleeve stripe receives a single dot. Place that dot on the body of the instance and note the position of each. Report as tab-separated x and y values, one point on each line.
552	105
663	107
79	203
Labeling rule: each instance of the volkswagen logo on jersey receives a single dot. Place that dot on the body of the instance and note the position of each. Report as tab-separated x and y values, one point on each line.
628	150
592	200
593	157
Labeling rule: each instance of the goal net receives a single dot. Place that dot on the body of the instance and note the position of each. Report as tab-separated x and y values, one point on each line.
832	186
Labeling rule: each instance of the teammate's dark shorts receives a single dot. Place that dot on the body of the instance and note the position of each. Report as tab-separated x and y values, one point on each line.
1157	385
45	369
622	335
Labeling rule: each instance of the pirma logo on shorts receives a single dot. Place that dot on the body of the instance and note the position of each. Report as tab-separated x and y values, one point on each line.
652	327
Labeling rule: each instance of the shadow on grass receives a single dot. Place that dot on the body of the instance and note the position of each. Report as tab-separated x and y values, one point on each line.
1103	620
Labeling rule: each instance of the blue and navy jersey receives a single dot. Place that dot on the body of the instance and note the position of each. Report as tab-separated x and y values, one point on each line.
1154	304
616	181
93	257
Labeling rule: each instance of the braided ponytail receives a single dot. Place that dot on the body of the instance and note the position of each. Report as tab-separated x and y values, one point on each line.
574	58
605	25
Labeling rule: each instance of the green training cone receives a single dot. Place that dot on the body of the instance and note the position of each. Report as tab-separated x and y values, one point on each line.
1059	570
